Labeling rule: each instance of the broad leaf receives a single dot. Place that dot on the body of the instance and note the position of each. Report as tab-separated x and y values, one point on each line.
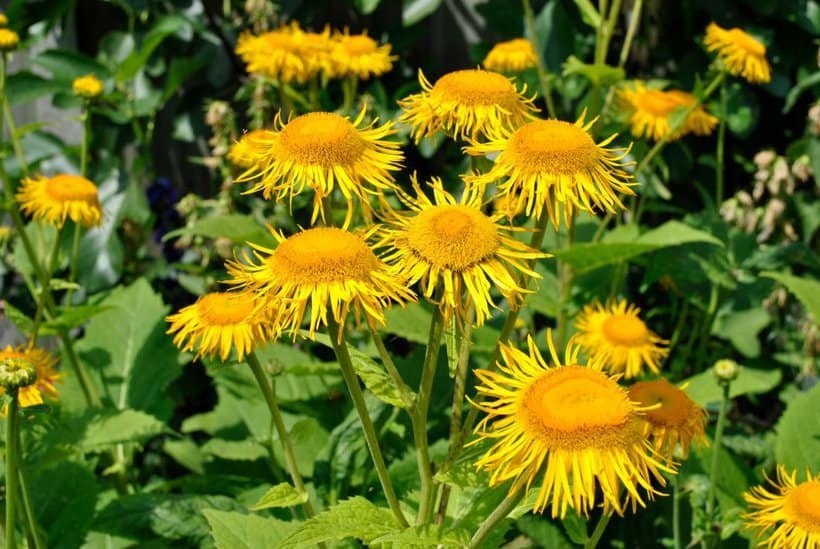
428	535
704	389
63	498
235	227
232	530
281	495
807	290
797	445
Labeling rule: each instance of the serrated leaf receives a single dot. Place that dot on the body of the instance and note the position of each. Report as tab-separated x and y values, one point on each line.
353	518
99	430
71	317
428	535
411	322
704	389
797	445
63	498
452	339
807	290
281	495
240	531
237	228
236	450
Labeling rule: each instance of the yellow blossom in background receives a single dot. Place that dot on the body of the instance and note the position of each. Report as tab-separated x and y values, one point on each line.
651	111
360	56
5	232
53	199
555	167
570	426
250	148
742	54
671	418
4	21
47	377
221	321
9	40
466	105
455	252
87	87
321	152
788	515
614	334
327	270
287	54
511	56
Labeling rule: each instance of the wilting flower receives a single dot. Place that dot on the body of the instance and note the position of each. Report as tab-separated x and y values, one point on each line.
330	270
250	148
288	54
9	40
616	335
572	426
324	151
87	87
360	56
221	321
466	104
54	199
45	376
456	252
511	56
742	54
791	509
650	111
555	166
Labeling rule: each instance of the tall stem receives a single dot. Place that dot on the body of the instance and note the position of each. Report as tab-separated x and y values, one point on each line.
25	498
543	74
564	287
675	512
499	514
15	142
51	266
719	154
12	480
634	19
92	400
352	382
721	424
600	528
86	120
387	360
72	271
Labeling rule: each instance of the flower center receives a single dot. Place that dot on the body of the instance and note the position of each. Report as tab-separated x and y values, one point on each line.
323	254
675	407
554	147
225	308
453	236
746	42
322	138
359	44
66	188
625	329
803	505
474	88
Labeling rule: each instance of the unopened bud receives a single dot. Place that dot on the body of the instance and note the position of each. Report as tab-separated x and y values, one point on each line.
16	372
726	370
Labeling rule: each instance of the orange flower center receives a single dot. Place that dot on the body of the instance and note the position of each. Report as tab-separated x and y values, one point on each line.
452	236
802	505
67	188
359	44
675	406
625	329
747	42
321	138
474	88
225	308
554	147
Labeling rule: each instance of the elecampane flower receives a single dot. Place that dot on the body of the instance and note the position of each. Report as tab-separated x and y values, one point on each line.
511	56
456	252
555	167
47	376
571	427
219	322
287	54
87	87
615	334
54	199
9	40
328	270
650	111
322	151
788	514
360	56
250	148
466	104
742	54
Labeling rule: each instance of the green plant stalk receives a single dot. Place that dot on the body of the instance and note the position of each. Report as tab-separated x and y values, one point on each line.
609	28
499	514
72	271
41	302
543	74
675	512
15	143
565	277
85	118
12	425
387	360
721	425
600	528
25	498
721	139
75	242
276	416
632	28
92	399
352	382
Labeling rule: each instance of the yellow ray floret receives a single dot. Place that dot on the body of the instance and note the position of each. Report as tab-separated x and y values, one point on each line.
54	199
47	377
511	56
360	56
251	148
743	55
466	105
555	167
651	111
455	252
788	515
571	427
287	54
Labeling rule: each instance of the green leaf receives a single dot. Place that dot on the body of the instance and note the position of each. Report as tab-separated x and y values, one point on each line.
797	445
598	75
281	495
742	329
428	535
24	86
807	290
589	14
576	527
20	319
236	450
353	518
240	531
168	26
64	498
802	85
367	6
96	431
411	322
236	227
704	389
66	65
452	340
414	11
71	317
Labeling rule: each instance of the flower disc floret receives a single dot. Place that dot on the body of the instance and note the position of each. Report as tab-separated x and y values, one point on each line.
63	196
45	377
743	55
650	111
571	425
87	87
466	104
360	56
511	56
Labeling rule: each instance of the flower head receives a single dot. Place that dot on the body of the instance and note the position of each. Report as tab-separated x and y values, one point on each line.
791	509
288	54
34	361
511	56
9	40
555	167
671	418
742	54
650	111
456	252
221	321
324	151
327	269
54	199
250	148
359	55
87	87
466	104
572	424
616	335
3	19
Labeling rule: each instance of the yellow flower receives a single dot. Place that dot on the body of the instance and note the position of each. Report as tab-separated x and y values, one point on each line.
5	232
742	54
221	321
47	377
614	334
359	55
650	112
572	425
792	509
54	199
250	148
456	252
87	87
3	19
329	269
672	417
512	56
9	40
324	151
555	166
288	54
466	104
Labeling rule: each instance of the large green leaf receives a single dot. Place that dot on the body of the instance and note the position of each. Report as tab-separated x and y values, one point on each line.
63	498
428	535
411	322
281	495
704	389
100	430
24	86
66	65
414	11
169	25
807	290
237	228
797	445
232	530
742	329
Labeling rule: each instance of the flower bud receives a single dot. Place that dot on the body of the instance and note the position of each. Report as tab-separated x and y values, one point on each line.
9	40
87	87
726	370
16	372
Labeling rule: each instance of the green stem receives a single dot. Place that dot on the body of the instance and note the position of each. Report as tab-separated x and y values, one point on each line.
499	514
352	382
72	271
41	301
12	479
387	360
565	277
719	154
25	498
543	74
15	142
92	400
599	31
634	19
593	540
86	120
713	472
609	28
675	512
